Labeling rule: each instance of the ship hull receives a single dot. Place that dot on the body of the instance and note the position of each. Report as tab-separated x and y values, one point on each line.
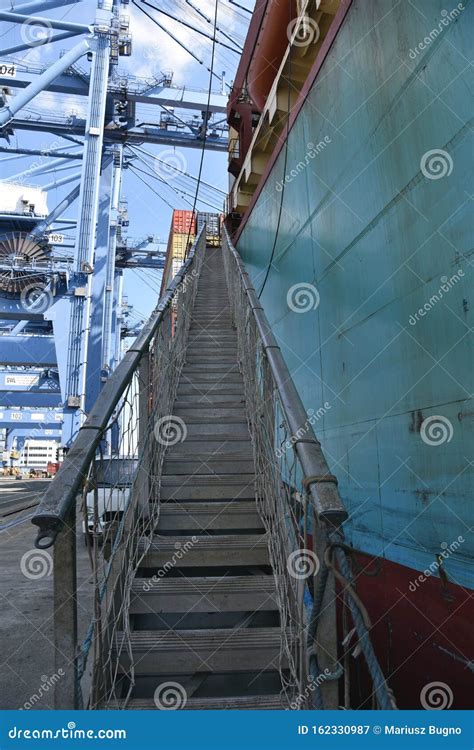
422	635
348	210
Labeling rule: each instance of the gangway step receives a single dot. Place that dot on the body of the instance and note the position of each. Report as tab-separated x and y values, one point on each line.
208	487
204	594
198	414
237	703
223	550
209	516
156	652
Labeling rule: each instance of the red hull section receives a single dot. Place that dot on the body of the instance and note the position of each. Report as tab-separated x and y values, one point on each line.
422	634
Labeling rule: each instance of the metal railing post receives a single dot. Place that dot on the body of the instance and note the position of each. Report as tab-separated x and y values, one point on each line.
65	615
327	641
144	468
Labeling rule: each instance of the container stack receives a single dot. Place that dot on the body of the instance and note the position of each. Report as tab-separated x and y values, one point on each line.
213	227
181	236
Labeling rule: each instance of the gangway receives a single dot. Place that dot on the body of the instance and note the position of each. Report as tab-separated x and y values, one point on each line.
207	590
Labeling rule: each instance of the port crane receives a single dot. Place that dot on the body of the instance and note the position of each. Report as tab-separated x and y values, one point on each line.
61	280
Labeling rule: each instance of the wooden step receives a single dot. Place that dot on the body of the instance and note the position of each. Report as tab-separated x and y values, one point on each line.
174	465
178	652
227	449
211	348
190	388
197	415
236	703
211	362
216	366
216	431
199	516
198	378
207	487
211	399
204	594
207	339
223	550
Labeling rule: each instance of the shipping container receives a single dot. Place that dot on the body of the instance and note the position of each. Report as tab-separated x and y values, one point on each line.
213	227
184	222
178	242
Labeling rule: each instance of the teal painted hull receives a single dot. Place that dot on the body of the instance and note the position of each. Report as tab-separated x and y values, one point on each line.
373	227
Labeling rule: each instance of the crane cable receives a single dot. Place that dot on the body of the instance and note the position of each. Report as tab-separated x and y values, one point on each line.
205	128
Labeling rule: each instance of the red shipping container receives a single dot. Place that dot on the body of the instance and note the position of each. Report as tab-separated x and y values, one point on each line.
184	222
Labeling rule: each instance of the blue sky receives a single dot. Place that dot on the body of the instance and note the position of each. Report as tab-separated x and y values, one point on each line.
153	51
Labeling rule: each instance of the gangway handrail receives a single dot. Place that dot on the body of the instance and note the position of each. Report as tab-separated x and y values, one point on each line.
61	494
318	481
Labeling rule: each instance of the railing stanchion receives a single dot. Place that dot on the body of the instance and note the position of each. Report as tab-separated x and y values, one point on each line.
144	467
327	641
65	615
